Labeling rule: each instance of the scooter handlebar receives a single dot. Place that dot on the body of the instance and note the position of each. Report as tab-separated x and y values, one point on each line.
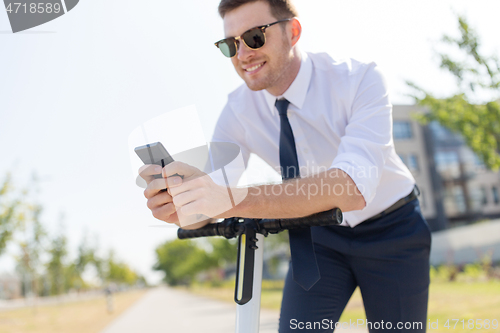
229	228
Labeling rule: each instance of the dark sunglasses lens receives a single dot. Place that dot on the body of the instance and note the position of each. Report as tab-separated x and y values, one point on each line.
228	47
254	38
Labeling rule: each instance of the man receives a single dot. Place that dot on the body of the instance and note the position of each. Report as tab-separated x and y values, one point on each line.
330	124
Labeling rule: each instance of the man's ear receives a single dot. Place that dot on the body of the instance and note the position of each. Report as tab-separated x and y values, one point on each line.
296	31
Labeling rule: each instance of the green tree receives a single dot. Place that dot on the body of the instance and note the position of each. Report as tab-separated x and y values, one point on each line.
119	272
181	261
85	254
474	110
56	269
8	212
31	237
72	278
86	257
224	251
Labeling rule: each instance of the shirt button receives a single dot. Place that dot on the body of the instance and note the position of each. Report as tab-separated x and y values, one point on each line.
306	151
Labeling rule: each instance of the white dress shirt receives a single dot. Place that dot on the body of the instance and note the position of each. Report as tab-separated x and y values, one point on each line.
341	118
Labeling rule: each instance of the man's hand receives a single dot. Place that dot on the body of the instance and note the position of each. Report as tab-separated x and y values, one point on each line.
190	201
196	196
159	200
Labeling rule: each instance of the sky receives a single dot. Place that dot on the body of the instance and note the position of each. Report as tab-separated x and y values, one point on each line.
74	89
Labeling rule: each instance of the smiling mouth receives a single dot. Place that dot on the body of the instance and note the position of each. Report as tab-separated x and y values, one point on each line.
254	68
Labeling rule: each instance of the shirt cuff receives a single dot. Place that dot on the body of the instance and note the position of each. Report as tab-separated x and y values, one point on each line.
364	174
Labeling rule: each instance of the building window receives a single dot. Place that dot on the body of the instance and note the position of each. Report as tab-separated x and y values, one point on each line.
477	197
402	130
413	163
439	132
459	199
496	198
454	200
447	164
484	196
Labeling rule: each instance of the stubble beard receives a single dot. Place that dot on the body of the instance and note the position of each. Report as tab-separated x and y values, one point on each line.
282	62
272	77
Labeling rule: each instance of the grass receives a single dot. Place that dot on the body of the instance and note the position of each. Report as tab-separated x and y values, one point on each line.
464	300
88	316
447	301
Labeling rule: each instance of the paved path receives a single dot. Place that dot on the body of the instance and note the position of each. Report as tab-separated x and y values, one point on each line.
167	310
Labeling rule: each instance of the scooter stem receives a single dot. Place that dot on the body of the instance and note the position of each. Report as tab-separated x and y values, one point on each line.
248	315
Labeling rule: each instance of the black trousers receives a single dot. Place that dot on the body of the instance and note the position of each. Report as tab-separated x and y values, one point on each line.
387	258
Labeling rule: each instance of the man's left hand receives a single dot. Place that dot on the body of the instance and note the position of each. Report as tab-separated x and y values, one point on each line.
195	195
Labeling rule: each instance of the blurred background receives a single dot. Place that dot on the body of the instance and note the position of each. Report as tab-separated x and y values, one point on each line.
73	222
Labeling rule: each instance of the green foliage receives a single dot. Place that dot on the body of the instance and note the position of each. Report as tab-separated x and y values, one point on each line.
119	272
443	273
482	270
42	262
63	276
73	278
475	70
477	76
87	257
182	260
30	242
56	269
8	210
479	125
273	284
223	251
276	241
474	271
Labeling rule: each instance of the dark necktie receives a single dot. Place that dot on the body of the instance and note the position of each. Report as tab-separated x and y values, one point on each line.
304	266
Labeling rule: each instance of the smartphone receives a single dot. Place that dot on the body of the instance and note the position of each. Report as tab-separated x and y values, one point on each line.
154	153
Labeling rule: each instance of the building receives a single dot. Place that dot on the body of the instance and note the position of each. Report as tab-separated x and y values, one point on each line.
456	187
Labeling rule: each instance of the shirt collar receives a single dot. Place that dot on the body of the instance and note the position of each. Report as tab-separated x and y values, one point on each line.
296	93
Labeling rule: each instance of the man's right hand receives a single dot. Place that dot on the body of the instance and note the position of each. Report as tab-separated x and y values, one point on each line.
160	202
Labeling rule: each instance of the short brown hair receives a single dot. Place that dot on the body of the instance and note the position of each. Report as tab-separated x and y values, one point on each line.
280	9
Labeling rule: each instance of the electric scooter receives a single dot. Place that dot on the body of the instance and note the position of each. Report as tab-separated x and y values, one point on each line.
251	233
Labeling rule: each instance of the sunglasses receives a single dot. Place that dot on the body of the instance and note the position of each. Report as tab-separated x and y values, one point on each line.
254	38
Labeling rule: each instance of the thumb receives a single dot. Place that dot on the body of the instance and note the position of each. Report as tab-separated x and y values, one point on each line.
180	169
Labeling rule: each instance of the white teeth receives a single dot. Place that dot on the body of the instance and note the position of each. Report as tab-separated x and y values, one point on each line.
251	69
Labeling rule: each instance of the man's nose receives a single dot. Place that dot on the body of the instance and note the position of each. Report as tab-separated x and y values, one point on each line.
244	52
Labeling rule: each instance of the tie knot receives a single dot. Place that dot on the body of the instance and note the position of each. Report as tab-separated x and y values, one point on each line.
282	106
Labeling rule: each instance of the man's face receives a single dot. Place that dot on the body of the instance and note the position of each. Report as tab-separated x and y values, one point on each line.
264	68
